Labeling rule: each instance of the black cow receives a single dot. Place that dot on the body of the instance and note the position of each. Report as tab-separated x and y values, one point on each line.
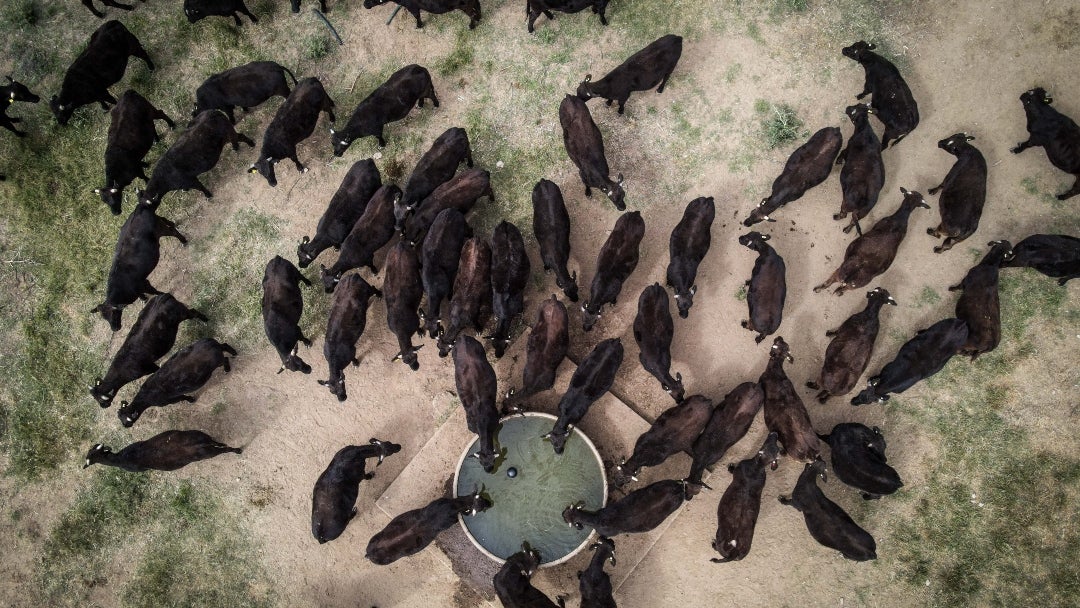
296	6
551	225
461	192
294	122
196	151
617	260
412	531
808	166
476	387
827	522
113	3
402	291
785	412
585	146
435	7
533	9
549	339
195	10
282	306
131	135
858	459
1055	255
188	370
472	293
344	326
737	513
653	332
639	511
690	241
863	174
166	451
388	103
767	288
872	252
963	192
434	169
590	381
513	586
371	232
593	583
509	275
439	259
244	86
345	208
333	499
727	424
892	101
10	93
150	338
644	70
979	305
135	257
1055	133
674	431
101	65
919	358
852	344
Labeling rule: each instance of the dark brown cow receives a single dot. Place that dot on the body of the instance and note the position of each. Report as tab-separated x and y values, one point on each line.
827	522
674	431
979	305
434	169
282	307
1055	133
244	87
852	344
590	381
472	293
785	412
512	582
728	423
412	531
737	513
131	135
509	275
196	10
892	100
919	358
388	103
533	8
1055	255
10	93
166	451
185	372
766	289
369	234
345	325
549	339
333	499
551	225
402	291
345	208
585	146
593	583
436	7
461	192
689	242
476	387
858	459
863	174
808	166
642	71
963	192
617	260
294	122
113	3
653	332
639	511
440	257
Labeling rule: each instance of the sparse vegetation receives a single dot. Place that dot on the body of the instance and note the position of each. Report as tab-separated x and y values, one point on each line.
317	46
780	124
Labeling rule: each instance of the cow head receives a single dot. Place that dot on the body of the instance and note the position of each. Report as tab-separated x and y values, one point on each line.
859	50
408	357
757	215
859	112
336	384
488	458
304	254
17	91
62	111
622	475
615	192
294	363
1037	95
880	294
103	397
571	515
402	212
780	349
605	544
111	197
913	199
588	317
373	3
955	143
558	439
96	454
1000	252
193	14
528	559
265	168
817	465
570	287
127	414
684	300
110	313
329	279
676	391
770	451
754	240
340	141
445	346
474	503
585	89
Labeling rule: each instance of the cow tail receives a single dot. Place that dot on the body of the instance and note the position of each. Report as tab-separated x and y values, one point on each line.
287	71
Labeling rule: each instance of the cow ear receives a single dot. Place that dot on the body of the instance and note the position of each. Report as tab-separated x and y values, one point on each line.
588	77
904	191
620	180
97	190
332	131
871	46
252	169
1048	99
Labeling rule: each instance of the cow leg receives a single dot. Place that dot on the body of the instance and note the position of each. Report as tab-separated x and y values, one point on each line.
148	290
1020	147
622	105
305	340
1065	279
433	98
1071	192
663	83
299	167
123	7
6	122
829	281
90	5
379	136
166	227
532	18
866	88
244	9
159	115
416	13
106	99
947	244
236	17
934	232
201	188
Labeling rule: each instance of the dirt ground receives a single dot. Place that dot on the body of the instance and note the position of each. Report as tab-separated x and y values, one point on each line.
966	63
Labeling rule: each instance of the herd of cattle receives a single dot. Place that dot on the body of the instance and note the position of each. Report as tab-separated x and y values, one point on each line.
462	275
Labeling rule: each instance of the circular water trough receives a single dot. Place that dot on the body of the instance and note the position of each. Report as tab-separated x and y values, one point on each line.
529	489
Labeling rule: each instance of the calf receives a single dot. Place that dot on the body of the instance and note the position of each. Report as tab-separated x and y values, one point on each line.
196	151
549	339
644	70
590	381
593	583
461	192
737	513
852	344
785	412
513	586
551	225
585	146
135	257
333	499
963	192
388	103
690	241
674	431
858	459
639	511
185	372
1055	255
979	305
828	523
1055	133
434	169
727	424
435	7
345	208
767	287
871	254
150	338
439	258
472	293
101	65
863	174
371	232
476	387
195	10
402	291
10	93
294	122
808	166
533	9
244	86
166	451
282	306
131	135
892	101
617	260
412	531
918	359
653	331
509	275
113	3
344	326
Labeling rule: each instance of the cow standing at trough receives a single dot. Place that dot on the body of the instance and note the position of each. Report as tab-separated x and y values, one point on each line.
440	257
689	242
892	100
185	372
590	381
345	208
852	344
642	71
294	122
401	293
244	87
979	304
10	93
728	423
196	10
863	174
766	290
167	451
344	326
963	192
131	135
653	332
371	232
472	293
113	3
585	146
737	513
1055	255
1055	133
333	499
434	169
476	387
808	166
593	583
858	459
509	276
919	358
639	511
282	307
549	339
389	102
618	258
827	522
435	7
785	412
513	586
674	431
412	531
534	8
460	192
551	225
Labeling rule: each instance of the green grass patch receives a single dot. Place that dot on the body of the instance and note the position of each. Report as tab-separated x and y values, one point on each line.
927	297
460	57
318	46
780	124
